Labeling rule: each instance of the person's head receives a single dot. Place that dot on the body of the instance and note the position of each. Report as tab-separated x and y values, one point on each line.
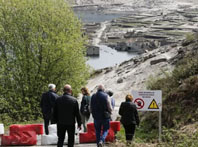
109	92
85	91
67	89
129	97
100	88
52	87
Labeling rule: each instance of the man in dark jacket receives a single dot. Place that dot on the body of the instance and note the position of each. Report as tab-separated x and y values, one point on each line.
66	112
47	104
100	105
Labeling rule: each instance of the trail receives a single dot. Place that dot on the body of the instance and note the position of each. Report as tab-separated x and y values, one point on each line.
99	33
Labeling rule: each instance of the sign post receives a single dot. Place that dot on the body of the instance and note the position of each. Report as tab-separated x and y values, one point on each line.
149	100
160	125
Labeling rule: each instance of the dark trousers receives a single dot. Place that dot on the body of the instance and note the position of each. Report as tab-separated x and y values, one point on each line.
129	131
47	121
61	130
46	124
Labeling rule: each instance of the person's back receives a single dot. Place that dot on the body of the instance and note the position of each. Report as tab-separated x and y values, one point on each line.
47	104
99	105
101	110
66	112
112	100
66	107
129	113
85	102
48	101
84	107
129	117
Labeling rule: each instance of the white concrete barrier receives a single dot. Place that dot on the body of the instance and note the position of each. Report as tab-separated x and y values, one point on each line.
1	129
52	138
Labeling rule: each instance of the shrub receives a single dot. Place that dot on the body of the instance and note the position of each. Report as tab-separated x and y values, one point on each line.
40	43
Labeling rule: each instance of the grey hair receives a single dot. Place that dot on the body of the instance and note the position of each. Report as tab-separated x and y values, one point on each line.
101	87
51	86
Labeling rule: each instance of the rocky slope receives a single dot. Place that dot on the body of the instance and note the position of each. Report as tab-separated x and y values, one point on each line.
172	19
132	74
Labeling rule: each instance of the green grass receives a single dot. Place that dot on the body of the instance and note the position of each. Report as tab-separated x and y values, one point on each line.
141	135
121	134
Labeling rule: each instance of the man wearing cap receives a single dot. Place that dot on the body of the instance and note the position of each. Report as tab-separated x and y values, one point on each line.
66	113
47	104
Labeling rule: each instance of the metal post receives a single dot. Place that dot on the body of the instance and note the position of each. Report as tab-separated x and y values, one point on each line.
160	125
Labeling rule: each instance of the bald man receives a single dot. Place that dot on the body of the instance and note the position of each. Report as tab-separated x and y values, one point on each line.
66	112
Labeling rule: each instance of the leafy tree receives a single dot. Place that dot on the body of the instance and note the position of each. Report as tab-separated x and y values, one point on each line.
40	43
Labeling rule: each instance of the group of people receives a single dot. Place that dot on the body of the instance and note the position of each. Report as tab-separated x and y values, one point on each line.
64	111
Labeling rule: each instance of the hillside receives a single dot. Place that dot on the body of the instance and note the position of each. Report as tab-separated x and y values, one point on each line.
171	68
133	74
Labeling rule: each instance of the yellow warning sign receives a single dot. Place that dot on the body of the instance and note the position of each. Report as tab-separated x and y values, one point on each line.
153	105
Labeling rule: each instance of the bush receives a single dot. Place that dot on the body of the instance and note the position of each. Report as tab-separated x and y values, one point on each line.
40	43
180	92
173	137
